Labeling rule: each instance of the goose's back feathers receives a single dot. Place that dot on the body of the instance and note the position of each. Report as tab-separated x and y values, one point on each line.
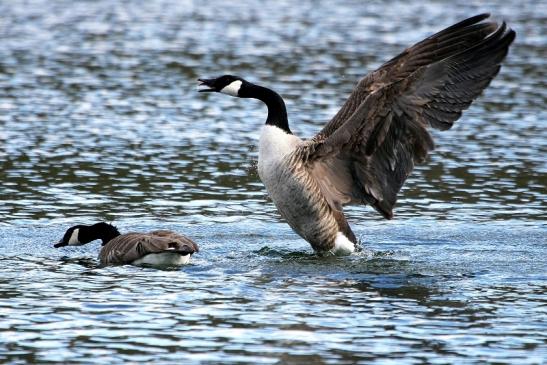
130	247
365	153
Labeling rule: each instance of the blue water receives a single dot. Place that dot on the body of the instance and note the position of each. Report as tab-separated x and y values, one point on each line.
100	120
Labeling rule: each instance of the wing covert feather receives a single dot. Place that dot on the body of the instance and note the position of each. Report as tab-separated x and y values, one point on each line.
366	152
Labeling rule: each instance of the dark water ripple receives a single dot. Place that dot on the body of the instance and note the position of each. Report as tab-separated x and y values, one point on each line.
100	120
425	299
103	69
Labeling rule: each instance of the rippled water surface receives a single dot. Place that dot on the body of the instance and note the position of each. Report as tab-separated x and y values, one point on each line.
100	120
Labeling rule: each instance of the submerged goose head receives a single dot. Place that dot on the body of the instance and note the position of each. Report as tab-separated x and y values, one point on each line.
80	234
227	84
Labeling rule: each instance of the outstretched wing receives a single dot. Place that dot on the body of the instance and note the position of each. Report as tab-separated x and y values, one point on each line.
437	47
381	131
181	240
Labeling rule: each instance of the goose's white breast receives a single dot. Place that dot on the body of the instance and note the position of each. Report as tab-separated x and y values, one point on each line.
275	144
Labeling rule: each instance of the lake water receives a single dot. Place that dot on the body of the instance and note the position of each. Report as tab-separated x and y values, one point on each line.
100	120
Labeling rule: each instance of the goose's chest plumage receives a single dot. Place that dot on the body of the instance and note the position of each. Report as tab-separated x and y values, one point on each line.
292	188
275	147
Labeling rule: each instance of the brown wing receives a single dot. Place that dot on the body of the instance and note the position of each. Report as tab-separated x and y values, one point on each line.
375	149
437	47
129	247
181	240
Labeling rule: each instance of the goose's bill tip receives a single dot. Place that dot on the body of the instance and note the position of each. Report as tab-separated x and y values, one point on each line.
203	86
59	244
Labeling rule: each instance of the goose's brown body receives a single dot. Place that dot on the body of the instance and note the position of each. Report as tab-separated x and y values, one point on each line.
297	194
133	248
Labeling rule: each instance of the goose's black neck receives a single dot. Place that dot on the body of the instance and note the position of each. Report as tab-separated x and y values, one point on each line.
277	112
102	231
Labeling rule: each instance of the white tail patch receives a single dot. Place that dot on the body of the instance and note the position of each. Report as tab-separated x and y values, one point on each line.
342	245
232	88
163	259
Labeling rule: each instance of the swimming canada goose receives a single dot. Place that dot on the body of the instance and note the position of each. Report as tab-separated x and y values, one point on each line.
163	248
367	150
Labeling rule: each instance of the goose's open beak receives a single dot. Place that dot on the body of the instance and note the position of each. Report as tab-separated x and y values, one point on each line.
59	244
205	85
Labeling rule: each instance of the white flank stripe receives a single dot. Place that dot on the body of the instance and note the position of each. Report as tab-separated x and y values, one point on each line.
163	259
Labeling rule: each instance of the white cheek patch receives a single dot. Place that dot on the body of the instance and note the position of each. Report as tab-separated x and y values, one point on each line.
232	89
73	241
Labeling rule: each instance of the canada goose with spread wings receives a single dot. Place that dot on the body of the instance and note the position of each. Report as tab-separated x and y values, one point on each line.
367	150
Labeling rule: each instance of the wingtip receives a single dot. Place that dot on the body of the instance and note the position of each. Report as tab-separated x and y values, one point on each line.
468	22
504	34
473	20
511	35
384	209
504	31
